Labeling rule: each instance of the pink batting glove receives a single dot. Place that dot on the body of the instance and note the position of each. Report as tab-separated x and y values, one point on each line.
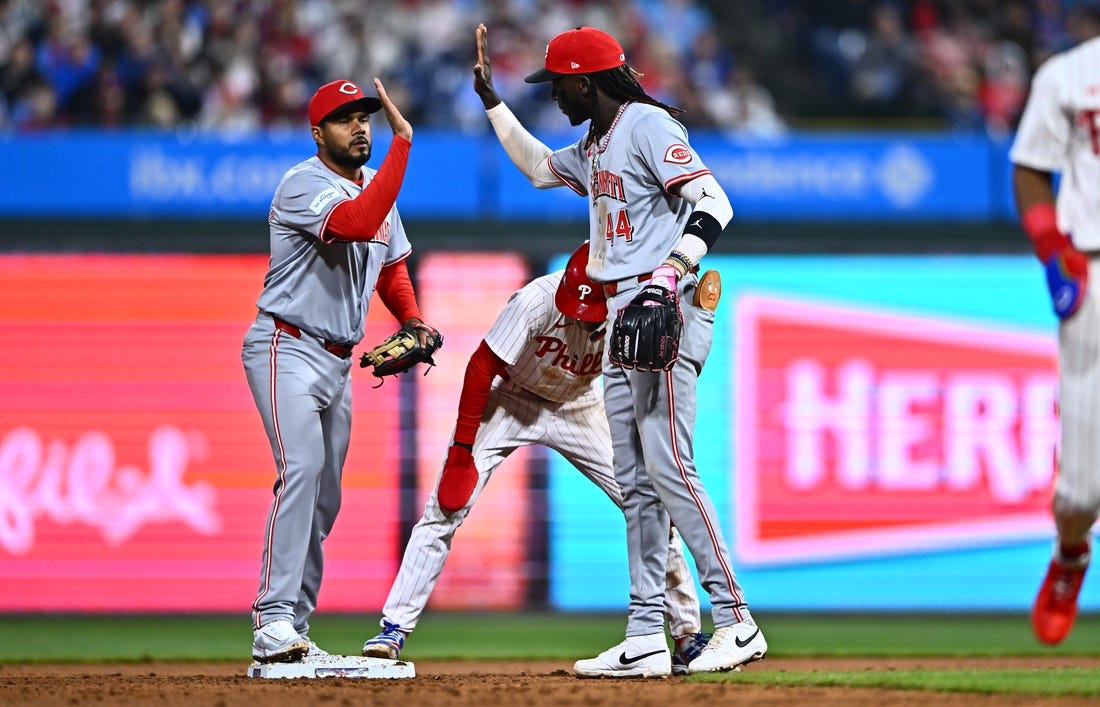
666	276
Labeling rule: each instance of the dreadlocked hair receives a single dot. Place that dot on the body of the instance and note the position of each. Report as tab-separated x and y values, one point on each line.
621	83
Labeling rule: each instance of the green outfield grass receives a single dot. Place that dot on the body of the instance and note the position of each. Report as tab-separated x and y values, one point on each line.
1075	682
443	635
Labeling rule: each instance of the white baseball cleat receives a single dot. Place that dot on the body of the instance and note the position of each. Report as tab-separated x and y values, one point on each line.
316	651
730	647
278	642
636	657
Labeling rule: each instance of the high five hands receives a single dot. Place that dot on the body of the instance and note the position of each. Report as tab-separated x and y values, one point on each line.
397	122
483	71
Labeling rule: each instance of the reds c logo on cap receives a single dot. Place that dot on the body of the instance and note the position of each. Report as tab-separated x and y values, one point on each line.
337	94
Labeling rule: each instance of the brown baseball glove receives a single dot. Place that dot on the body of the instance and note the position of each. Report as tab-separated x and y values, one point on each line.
402	350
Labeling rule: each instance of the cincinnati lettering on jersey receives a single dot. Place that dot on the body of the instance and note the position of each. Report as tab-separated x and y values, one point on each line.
382	235
606	183
590	364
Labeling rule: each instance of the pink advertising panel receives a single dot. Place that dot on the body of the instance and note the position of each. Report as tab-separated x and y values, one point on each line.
489	566
134	471
861	432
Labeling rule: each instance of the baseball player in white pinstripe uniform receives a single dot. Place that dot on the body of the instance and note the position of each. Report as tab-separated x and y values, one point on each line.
533	380
336	238
1060	132
655	211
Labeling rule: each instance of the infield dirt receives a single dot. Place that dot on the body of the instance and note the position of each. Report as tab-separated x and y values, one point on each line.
485	684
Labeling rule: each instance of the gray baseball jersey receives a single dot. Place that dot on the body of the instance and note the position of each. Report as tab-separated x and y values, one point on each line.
1060	132
550	395
630	178
635	220
296	357
325	289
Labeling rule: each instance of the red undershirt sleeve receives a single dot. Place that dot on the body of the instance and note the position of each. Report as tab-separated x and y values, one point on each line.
360	218
396	292
484	365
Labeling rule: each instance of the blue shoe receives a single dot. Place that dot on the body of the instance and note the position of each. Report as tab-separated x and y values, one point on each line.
686	649
387	644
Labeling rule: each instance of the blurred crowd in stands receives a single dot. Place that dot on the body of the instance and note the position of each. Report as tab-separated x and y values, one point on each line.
752	66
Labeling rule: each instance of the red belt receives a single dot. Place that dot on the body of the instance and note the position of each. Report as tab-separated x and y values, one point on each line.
610	288
338	350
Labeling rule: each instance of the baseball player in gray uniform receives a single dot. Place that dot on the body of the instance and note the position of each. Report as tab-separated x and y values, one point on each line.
533	380
1060	132
335	238
655	211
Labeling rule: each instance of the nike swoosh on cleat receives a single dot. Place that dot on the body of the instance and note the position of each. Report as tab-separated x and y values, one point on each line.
634	659
747	641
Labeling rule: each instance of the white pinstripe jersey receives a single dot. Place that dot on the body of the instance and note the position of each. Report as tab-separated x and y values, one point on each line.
324	287
1060	132
547	353
635	221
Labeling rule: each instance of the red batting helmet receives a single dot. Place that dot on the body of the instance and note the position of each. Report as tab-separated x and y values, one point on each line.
578	296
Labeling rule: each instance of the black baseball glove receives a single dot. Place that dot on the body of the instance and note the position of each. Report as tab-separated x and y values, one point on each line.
402	350
646	333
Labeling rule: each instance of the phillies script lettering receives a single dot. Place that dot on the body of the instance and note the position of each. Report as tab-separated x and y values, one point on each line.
587	365
83	483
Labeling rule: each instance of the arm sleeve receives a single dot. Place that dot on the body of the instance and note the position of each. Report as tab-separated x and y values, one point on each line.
708	197
360	218
484	365
525	150
396	292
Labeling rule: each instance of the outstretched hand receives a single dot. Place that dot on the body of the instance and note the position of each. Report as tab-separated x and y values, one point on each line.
397	122
1067	274
483	71
458	481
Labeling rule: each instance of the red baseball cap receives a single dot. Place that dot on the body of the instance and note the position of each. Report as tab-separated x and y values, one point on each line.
584	50
340	95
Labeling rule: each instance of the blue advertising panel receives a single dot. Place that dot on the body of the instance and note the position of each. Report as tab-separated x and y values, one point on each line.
837	177
876	433
801	177
860	177
207	175
1004	201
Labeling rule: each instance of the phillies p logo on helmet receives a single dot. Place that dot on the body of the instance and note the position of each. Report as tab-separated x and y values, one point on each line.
578	296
